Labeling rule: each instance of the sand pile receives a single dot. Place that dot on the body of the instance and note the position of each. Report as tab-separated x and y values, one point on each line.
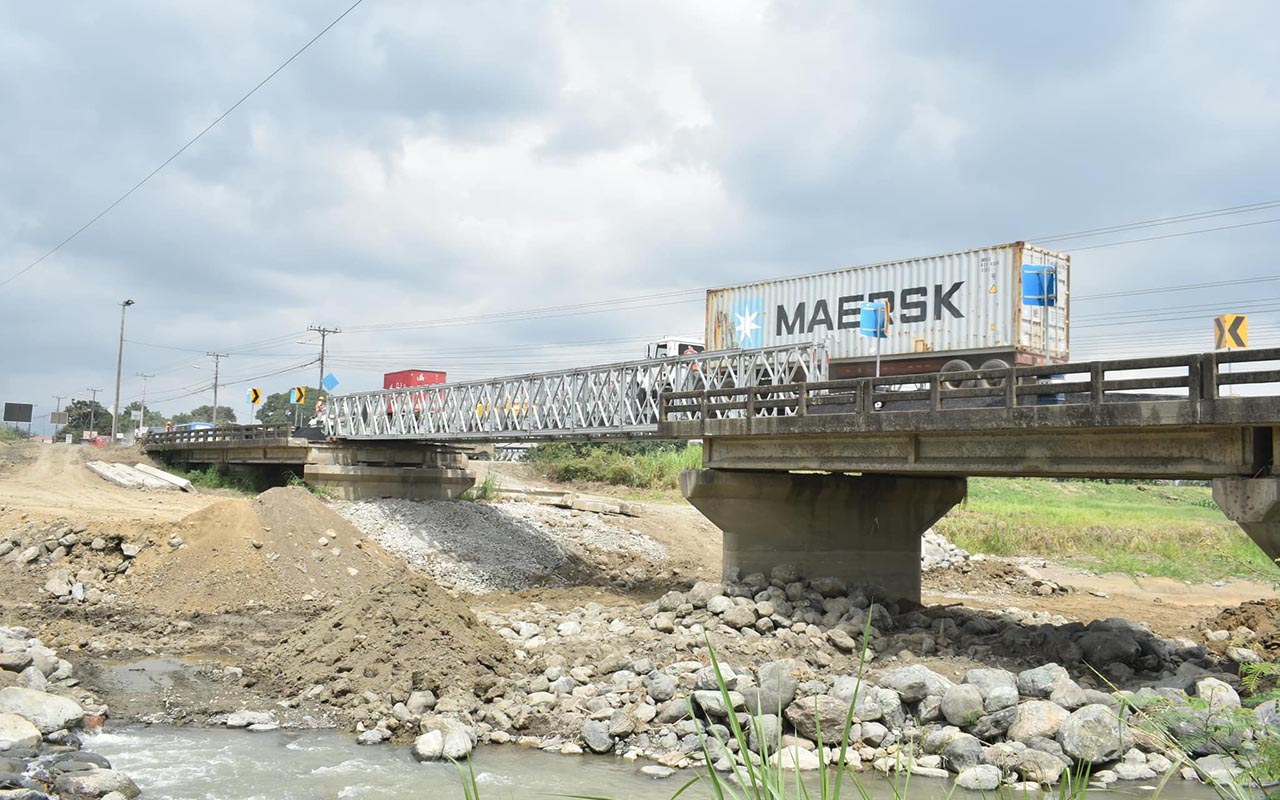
283	549
393	640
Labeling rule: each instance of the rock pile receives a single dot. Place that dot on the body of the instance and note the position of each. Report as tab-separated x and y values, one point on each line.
937	552
84	566
40	755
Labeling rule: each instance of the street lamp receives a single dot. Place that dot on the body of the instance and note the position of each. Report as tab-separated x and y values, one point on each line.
115	410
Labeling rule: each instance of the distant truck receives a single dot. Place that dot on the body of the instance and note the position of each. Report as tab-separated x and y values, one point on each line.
947	313
408	378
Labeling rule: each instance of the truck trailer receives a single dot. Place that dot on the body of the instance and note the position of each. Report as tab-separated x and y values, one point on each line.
946	313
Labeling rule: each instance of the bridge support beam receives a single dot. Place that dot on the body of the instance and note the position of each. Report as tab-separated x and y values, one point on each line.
1254	505
864	529
409	483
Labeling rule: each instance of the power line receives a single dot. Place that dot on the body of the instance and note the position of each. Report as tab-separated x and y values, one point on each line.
180	150
1152	223
1175	235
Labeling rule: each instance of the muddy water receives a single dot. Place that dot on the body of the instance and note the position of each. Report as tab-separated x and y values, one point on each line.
217	764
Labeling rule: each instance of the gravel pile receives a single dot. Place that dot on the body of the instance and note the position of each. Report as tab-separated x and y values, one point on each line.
476	547
936	551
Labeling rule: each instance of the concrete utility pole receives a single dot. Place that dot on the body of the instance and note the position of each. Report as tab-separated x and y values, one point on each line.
217	362
115	409
323	331
92	403
142	418
53	435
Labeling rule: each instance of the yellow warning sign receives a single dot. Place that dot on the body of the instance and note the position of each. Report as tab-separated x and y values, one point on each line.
1231	332
298	395
255	396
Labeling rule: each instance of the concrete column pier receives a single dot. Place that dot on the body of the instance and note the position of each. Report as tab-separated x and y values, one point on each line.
369	482
1254	505
864	529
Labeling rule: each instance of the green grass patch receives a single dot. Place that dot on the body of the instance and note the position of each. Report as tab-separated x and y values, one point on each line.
212	478
655	465
1136	528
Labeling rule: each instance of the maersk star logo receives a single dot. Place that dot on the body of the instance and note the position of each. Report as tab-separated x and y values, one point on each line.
748	322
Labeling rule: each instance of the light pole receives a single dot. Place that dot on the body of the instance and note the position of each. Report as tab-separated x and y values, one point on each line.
217	363
142	418
57	410
115	409
93	404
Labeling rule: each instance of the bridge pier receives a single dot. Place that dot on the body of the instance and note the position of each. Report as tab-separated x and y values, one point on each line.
1254	505
358	482
863	529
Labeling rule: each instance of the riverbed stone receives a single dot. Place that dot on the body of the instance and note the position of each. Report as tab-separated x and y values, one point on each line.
962	752
795	758
914	683
46	711
1036	718
429	746
96	784
1041	681
17	731
1218	694
595	733
987	679
807	714
962	705
1094	733
979	778
244	719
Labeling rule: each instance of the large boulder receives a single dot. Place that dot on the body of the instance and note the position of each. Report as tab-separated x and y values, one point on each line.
95	783
46	711
1036	718
429	746
808	714
979	778
962	705
915	683
595	734
1041	681
777	687
988	679
16	731
962	752
1095	733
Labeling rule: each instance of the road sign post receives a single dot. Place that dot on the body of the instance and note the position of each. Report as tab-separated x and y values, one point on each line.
874	321
1040	289
1231	332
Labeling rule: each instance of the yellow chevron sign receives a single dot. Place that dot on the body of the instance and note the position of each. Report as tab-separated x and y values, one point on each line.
255	396
298	395
1231	332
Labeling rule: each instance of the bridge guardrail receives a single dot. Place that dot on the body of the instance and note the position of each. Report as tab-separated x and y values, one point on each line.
610	400
219	435
1195	378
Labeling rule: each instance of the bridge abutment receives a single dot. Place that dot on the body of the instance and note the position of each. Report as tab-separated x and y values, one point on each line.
347	482
1254	505
863	529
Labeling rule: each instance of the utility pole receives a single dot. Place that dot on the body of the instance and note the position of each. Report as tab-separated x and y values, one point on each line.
217	362
142	418
93	406
54	434
115	409
324	332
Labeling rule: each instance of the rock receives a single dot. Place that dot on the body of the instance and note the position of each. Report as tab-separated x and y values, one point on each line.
1094	733
763	730
740	617
796	758
58	583
703	591
878	703
595	734
46	711
656	771
95	784
1101	647
1041	681
1036	718
777	687
962	705
719	604
1243	655
1040	767
1219	768
129	550
979	778
243	719
1001	697
429	746
1069	695
660	686
15	662
16	731
914	683
670	601
713	702
962	752
987	679
1218	694
992	727
808	714
373	736
841	640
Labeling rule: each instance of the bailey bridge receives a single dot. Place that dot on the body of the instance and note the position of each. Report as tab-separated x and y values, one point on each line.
838	477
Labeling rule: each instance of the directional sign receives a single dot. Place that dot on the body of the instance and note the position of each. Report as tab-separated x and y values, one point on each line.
873	320
1039	285
254	396
298	395
329	383
1231	332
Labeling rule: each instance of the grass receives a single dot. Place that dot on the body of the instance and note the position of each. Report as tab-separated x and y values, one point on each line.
10	433
657	467
211	478
1135	528
486	491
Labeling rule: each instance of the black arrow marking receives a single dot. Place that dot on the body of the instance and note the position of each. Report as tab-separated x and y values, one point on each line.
1234	331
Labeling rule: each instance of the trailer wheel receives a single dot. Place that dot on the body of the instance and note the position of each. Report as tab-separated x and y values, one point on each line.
994	363
957	365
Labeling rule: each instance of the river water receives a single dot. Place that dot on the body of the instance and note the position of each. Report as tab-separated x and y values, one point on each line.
171	763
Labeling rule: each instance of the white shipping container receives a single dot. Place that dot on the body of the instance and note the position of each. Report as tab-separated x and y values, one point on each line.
964	305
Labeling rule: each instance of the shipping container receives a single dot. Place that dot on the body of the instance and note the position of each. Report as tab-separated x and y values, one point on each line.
966	307
406	378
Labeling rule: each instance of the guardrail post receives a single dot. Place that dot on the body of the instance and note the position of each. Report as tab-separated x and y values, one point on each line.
802	402
751	401
935	392
1097	384
1011	388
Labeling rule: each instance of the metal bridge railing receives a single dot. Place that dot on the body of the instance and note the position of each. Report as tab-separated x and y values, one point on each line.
219	435
611	400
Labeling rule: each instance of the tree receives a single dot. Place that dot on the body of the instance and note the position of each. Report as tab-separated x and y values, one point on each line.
277	409
205	414
85	415
154	419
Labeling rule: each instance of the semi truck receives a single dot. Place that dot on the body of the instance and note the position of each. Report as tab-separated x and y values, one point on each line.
953	312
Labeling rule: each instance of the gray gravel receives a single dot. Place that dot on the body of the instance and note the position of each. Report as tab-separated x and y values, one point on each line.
479	547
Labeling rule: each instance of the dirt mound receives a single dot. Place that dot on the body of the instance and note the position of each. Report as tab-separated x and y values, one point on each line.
283	549
390	641
1260	616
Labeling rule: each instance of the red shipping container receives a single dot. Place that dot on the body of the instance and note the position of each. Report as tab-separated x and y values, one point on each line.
405	378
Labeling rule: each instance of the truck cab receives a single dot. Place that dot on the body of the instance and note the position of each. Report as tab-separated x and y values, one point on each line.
672	347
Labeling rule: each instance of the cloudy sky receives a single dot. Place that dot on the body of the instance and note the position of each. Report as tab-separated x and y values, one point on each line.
425	166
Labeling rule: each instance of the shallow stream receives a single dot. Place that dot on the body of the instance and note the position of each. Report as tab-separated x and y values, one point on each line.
171	763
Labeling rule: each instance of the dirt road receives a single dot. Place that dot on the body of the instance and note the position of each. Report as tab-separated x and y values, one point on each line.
51	481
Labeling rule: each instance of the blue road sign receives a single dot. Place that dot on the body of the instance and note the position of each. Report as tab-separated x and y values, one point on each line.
329	383
1039	285
872	321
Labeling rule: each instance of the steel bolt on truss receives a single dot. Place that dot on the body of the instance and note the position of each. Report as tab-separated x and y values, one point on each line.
621	400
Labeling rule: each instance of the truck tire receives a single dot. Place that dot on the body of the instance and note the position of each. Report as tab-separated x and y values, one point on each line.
994	363
957	365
